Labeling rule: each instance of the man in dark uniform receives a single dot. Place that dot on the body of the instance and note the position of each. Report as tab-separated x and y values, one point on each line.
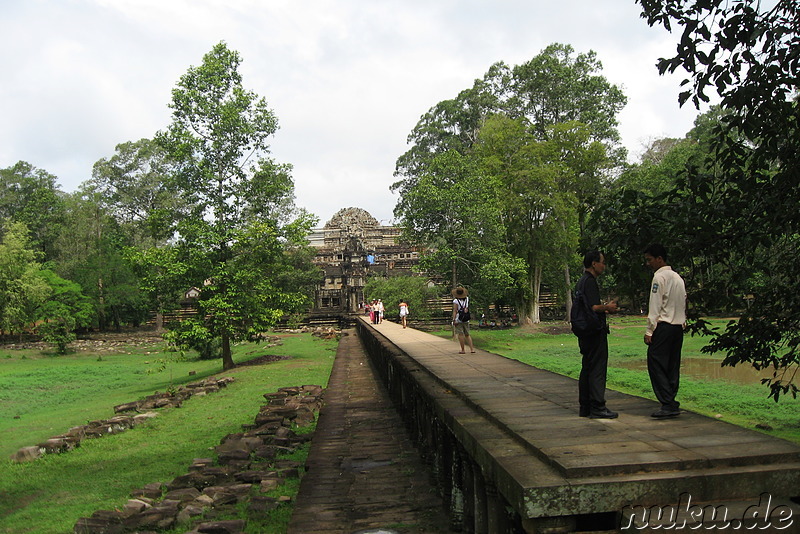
594	345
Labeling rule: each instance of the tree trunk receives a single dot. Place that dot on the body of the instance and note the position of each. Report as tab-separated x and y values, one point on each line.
568	285
227	357
528	309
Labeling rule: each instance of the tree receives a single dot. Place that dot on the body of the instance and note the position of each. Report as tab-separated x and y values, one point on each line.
553	125
749	55
91	253
22	290
31	196
133	187
239	202
453	211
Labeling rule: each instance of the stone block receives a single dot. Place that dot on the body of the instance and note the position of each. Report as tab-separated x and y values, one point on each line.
183	495
26	454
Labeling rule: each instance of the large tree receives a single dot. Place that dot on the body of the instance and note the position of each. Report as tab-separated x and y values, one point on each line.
239	202
744	202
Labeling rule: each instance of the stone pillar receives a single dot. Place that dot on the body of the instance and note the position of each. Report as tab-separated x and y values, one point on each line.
457	489
496	517
479	507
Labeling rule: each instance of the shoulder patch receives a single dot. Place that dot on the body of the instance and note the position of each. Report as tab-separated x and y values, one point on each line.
655	287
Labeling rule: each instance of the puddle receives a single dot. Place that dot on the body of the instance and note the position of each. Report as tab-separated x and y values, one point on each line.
704	368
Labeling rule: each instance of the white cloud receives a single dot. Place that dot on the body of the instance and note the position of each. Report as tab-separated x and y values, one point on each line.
348	80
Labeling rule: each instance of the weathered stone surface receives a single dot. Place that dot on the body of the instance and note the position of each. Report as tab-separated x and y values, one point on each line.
26	454
183	495
150	491
135	506
190	511
127	407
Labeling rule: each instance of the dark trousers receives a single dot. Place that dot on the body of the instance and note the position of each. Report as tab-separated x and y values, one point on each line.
594	368
664	363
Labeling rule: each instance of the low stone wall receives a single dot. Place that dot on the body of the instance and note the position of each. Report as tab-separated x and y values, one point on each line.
246	467
97	429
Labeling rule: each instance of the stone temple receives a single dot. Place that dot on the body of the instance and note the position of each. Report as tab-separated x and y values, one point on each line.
352	247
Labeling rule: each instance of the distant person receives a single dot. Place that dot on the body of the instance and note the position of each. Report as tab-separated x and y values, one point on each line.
593	341
403	313
373	311
379	312
666	319
461	318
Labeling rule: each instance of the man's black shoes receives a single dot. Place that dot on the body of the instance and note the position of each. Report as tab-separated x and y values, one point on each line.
665	413
603	413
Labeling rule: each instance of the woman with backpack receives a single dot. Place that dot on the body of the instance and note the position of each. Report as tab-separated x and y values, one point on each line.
461	318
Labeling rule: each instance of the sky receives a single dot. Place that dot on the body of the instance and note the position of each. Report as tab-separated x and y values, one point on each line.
347	79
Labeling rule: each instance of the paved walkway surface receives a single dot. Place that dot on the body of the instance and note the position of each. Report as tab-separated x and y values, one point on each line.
364	473
529	403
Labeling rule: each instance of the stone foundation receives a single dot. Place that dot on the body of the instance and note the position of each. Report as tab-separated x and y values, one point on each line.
245	469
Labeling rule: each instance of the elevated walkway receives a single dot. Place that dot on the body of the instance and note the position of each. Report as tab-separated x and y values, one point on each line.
511	454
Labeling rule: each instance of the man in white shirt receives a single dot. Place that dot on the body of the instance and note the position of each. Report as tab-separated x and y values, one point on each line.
666	319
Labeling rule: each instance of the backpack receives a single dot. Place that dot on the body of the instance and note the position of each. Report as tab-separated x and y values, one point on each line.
463	311
582	318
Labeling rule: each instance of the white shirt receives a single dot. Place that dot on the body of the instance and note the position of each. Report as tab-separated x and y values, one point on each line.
667	299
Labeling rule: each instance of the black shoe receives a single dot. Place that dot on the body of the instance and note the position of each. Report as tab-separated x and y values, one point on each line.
665	413
604	413
584	412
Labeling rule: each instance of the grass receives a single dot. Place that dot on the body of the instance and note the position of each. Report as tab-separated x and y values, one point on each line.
746	405
51	394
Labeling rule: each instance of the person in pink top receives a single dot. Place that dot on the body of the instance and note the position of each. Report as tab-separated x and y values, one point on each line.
666	319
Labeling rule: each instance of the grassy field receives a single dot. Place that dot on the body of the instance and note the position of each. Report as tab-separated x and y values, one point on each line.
50	394
745	404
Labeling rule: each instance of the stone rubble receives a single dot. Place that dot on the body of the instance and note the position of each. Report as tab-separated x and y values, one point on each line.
246	467
119	423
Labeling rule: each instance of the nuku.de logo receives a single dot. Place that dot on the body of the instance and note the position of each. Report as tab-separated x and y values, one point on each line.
763	515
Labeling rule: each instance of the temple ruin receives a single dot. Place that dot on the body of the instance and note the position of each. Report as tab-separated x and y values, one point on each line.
351	247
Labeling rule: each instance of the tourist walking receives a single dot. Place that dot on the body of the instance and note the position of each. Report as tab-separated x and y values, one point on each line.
666	319
592	340
403	313
461	318
379	313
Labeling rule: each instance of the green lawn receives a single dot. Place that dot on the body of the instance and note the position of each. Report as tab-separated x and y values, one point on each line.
50	394
743	404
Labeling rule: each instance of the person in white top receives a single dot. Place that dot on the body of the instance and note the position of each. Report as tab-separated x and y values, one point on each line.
666	319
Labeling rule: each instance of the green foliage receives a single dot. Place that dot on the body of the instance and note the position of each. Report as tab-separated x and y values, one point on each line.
192	334
22	289
413	290
740	207
60	331
30	196
132	186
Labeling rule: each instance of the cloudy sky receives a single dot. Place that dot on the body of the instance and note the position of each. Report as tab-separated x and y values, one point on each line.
347	79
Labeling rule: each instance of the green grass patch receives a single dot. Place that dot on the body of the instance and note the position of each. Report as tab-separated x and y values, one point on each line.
51	394
745	404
